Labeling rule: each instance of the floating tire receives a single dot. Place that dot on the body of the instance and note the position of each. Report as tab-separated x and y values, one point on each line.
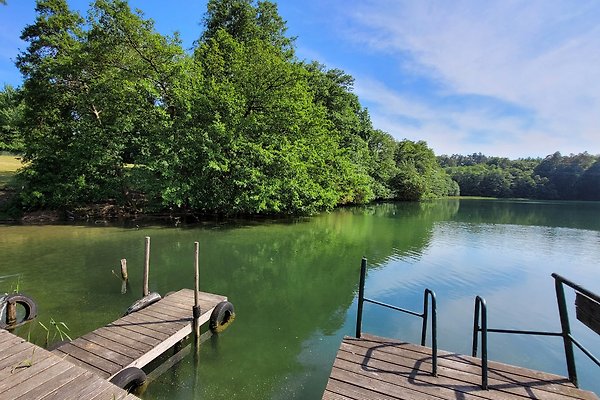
221	317
129	379
24	301
143	303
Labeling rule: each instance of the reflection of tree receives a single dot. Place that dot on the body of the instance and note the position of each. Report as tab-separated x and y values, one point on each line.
289	282
580	215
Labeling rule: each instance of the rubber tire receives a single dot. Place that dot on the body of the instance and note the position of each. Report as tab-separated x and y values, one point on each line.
27	303
222	315
129	378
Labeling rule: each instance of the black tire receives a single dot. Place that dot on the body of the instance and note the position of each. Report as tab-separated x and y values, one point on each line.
129	379
143	302
221	317
26	302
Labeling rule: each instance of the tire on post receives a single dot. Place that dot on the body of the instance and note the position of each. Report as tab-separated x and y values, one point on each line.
24	301
129	379
221	317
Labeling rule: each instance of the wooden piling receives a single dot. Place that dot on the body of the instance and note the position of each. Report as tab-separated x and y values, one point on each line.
11	313
196	308
146	290
124	274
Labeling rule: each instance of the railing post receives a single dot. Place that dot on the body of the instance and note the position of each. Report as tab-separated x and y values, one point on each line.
566	330
361	296
425	316
481	306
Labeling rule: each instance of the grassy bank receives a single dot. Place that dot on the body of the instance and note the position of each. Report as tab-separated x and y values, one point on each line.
9	164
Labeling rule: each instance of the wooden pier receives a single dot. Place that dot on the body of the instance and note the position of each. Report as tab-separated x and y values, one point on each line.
379	368
28	372
81	369
138	338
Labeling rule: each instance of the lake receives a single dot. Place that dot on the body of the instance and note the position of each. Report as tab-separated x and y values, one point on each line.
294	284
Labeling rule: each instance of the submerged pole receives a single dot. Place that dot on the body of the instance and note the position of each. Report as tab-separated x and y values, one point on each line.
196	308
124	274
146	291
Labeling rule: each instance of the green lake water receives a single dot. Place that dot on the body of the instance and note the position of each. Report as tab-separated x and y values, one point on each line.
294	285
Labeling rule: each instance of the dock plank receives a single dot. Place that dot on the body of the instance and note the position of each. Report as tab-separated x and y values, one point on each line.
81	369
373	367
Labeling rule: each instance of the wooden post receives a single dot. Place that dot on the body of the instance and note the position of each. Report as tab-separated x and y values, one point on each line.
124	275
146	267
11	313
196	308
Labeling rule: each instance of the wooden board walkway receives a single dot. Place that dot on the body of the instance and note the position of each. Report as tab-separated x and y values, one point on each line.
138	338
29	372
379	368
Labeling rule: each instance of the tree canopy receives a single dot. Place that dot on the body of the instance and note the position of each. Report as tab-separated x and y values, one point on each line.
572	177
113	111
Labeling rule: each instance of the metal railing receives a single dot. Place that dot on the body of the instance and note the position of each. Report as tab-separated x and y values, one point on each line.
424	315
565	333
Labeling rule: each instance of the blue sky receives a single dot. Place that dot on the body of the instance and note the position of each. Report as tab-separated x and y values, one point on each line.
508	78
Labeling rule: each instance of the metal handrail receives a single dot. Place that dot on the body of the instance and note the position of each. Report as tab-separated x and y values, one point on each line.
565	333
424	315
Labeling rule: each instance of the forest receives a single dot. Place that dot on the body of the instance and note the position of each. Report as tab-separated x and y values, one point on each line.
555	177
112	112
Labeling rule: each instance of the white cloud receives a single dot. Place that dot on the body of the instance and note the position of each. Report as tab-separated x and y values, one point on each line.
537	55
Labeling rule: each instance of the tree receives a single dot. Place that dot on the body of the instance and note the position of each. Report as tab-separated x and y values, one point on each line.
246	20
588	185
11	116
419	176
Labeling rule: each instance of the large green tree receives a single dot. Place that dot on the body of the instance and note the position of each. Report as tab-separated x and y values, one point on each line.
11	117
116	112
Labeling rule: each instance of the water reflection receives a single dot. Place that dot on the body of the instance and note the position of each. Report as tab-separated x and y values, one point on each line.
294	284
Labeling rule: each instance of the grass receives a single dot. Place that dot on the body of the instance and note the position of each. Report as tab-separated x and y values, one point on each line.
8	166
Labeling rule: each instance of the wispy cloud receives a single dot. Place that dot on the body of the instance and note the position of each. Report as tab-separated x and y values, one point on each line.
540	57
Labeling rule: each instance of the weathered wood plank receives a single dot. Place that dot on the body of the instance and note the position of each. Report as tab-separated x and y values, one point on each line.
89	365
51	377
450	377
81	388
588	312
356	386
141	338
137	344
52	384
115	346
374	367
23	387
101	351
497	371
164	325
38	367
17	354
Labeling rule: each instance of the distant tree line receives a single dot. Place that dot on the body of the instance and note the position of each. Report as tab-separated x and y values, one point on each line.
113	111
572	177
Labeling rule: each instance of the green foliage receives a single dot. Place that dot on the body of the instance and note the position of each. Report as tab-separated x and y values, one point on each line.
555	177
419	174
115	112
58	329
11	116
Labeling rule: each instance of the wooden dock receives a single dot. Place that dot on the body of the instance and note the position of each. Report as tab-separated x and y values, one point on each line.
385	369
138	338
28	372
